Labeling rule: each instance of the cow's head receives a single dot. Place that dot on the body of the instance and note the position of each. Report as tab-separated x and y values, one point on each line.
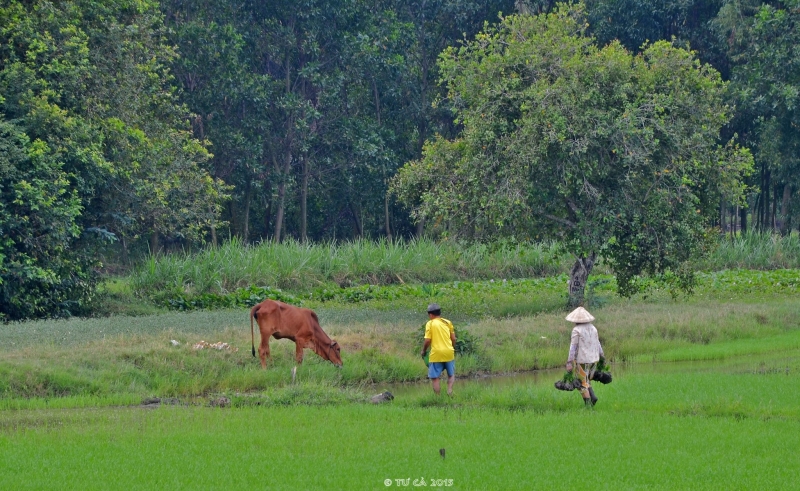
334	354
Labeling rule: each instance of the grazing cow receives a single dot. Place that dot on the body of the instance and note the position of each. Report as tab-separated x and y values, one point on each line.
281	320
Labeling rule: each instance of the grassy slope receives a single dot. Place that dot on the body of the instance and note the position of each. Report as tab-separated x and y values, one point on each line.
122	357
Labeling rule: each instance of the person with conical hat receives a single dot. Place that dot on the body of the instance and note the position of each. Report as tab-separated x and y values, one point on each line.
584	352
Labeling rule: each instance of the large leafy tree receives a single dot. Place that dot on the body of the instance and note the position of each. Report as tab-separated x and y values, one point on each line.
221	84
97	146
40	274
613	154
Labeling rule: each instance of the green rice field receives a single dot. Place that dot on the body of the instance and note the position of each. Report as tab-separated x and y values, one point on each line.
729	425
704	393
703	397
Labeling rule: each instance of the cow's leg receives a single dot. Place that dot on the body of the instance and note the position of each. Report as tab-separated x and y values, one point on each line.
298	357
263	349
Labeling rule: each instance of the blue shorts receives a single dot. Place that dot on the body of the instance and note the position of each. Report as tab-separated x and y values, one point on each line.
435	368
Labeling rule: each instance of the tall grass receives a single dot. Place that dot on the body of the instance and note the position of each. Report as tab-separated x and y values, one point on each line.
754	250
301	266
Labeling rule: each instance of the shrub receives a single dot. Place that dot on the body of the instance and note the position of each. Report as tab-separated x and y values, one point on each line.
466	343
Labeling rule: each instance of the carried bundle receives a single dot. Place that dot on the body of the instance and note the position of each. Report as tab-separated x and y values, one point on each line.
570	382
601	372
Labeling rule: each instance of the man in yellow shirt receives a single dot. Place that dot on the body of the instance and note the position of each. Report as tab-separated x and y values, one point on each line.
440	337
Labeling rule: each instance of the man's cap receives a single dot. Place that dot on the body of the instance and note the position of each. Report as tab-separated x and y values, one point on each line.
580	316
434	307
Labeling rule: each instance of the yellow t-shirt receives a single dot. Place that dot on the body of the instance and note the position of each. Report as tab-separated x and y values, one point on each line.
438	331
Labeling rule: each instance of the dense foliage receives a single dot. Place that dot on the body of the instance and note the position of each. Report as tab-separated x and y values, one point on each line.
762	41
40	275
138	126
94	147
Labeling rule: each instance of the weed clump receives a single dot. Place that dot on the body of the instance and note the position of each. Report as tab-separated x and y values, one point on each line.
466	343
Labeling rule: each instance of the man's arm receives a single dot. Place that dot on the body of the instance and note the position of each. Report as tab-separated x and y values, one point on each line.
425	346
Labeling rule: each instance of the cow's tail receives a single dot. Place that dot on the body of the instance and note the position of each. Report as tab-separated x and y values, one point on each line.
252	335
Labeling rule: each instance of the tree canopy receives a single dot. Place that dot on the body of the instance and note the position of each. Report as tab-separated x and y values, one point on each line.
150	126
609	152
95	144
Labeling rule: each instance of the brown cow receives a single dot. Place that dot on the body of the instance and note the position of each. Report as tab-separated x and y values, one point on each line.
281	320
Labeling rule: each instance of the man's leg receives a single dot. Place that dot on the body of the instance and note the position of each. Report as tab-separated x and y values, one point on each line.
592	396
451	376
436	386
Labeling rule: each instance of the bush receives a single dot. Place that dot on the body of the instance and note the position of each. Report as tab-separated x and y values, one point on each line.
466	343
42	273
243	297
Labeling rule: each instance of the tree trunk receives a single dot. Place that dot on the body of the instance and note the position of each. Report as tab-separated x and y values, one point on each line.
743	220
386	216
154	245
578	276
283	174
282	197
279	214
765	205
786	228
755	211
304	202
267	214
125	256
357	224
758	220
248	195
774	218
213	227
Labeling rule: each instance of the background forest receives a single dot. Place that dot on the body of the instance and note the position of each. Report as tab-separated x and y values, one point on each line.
130	127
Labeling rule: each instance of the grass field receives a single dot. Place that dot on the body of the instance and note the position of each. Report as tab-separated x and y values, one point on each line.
729	426
703	396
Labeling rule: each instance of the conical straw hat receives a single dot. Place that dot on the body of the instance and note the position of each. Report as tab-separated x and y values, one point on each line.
580	316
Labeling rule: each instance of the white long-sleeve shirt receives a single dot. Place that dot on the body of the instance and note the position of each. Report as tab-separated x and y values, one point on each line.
585	344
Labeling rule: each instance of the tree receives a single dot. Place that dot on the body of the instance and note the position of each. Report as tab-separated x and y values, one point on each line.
40	276
613	154
97	147
311	107
762	40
